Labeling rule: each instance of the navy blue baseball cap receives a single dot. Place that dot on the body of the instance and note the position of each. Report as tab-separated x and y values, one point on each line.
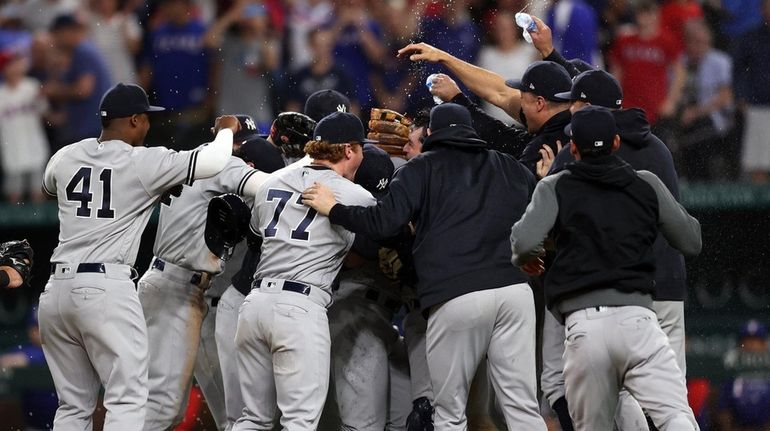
340	128
248	130
596	87
125	100
449	115
265	156
543	78
375	171
324	102
581	65
593	129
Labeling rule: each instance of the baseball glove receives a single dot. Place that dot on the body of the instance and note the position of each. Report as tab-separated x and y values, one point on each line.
19	256
226	224
390	129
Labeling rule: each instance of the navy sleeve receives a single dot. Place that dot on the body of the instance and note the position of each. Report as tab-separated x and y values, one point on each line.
499	136
397	208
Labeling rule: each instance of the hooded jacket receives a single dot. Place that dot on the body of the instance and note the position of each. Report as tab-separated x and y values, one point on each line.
641	149
463	200
605	218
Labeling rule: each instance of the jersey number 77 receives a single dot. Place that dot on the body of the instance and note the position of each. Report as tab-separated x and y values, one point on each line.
301	231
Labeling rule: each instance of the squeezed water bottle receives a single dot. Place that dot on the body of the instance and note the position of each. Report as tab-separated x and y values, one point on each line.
525	21
429	83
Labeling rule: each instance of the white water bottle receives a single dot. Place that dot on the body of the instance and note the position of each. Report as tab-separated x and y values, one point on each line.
525	21
429	83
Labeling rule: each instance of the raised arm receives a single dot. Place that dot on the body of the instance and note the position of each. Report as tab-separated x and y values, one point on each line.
482	82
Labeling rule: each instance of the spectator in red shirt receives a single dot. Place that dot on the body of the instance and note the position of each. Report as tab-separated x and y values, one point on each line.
645	62
674	14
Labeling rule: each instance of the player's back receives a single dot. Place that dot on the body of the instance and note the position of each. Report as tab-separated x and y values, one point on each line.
105	192
298	244
183	211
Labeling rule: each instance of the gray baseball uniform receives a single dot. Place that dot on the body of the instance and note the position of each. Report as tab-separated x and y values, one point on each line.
363	339
91	322
609	347
283	336
171	291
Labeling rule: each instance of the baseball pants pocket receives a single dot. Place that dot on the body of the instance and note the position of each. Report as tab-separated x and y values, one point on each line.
652	375
590	379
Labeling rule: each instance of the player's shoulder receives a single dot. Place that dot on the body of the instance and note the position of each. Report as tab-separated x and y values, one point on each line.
350	193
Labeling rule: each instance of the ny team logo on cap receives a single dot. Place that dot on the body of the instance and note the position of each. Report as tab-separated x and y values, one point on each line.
382	183
250	124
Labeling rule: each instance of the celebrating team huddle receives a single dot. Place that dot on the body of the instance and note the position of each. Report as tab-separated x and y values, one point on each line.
335	234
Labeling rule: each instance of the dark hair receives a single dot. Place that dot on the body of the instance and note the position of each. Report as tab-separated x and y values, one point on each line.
106	122
421	118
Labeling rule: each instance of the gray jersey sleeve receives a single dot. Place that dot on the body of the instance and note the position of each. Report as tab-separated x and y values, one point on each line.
678	227
529	233
235	176
49	177
159	168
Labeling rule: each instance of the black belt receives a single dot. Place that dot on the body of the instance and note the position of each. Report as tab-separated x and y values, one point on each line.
84	267
196	278
291	286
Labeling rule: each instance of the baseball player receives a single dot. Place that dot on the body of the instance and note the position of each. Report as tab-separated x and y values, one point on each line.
283	333
91	321
478	305
604	218
231	300
259	154
362	335
643	151
172	289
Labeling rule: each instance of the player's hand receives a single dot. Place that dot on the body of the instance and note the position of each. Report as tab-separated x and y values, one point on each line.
542	39
14	278
546	159
422	52
534	267
320	198
444	87
227	122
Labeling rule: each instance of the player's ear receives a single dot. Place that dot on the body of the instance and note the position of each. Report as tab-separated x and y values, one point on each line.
616	143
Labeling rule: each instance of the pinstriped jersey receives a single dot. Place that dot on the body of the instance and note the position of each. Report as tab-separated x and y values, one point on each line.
298	244
183	211
106	192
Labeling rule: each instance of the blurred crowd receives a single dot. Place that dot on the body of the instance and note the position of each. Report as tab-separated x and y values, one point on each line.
695	68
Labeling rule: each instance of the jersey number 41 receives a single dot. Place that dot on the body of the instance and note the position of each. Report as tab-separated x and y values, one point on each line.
82	178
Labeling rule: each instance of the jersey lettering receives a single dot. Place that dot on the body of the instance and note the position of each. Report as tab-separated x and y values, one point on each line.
84	196
301	231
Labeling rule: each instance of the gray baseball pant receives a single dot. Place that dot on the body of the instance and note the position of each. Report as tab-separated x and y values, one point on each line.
173	309
94	333
362	339
207	370
283	358
226	325
501	324
629	415
400	387
608	348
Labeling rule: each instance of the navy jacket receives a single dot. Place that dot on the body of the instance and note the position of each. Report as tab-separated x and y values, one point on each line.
641	149
463	199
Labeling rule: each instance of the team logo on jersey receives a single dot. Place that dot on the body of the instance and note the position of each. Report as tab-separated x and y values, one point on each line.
382	183
250	124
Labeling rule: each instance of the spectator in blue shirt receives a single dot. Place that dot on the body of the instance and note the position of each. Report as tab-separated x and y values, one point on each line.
574	27
176	68
358	49
81	85
752	90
